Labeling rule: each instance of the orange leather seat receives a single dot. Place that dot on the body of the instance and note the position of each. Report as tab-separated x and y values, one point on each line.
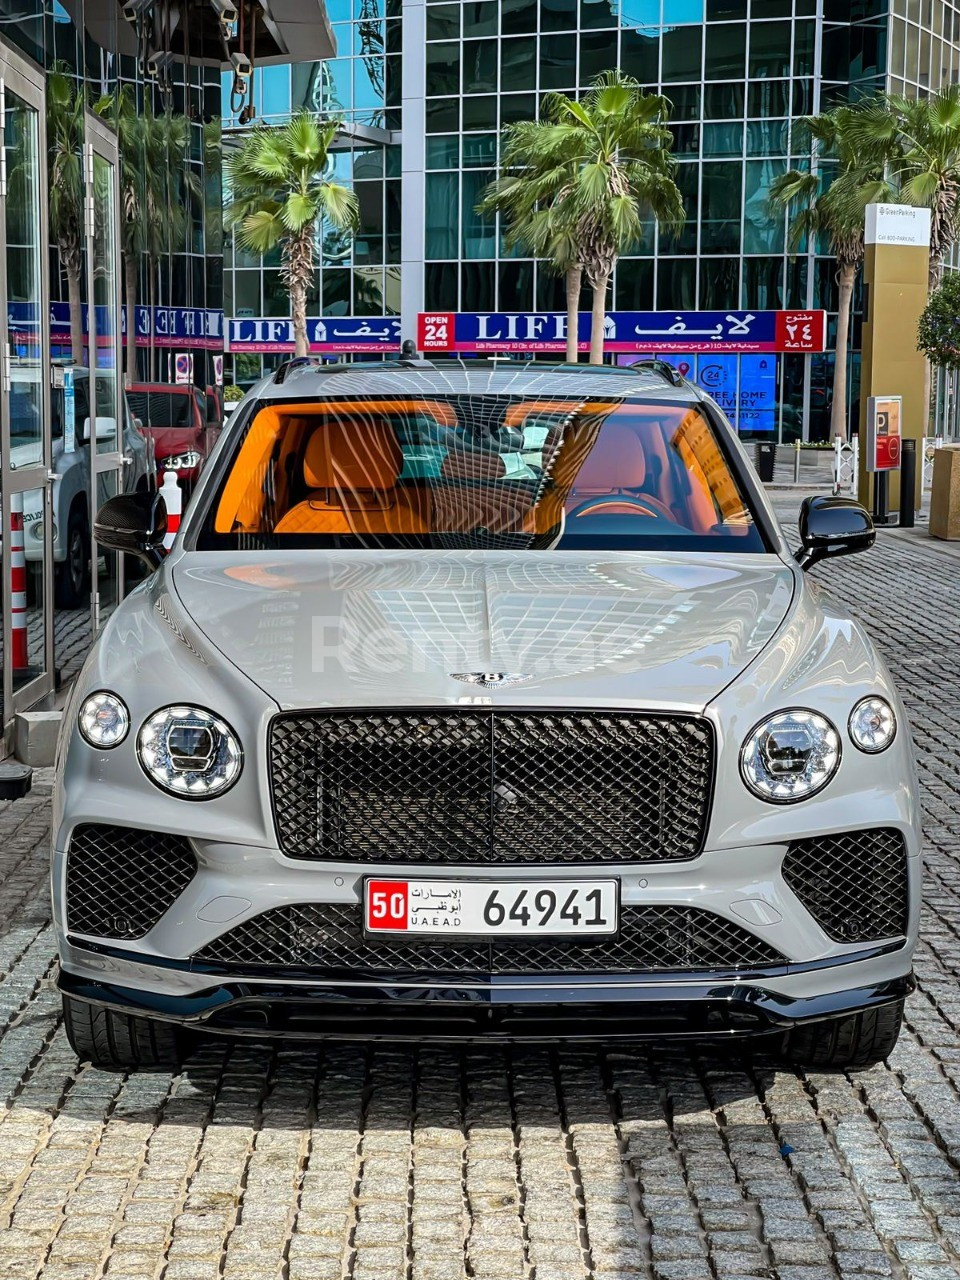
351	470
615	464
474	493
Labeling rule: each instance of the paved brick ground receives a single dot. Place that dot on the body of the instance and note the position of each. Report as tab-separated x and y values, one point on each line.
296	1164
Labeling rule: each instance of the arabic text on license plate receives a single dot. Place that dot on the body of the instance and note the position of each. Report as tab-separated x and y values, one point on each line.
466	908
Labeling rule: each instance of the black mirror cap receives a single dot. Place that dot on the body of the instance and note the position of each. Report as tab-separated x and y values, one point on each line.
135	523
831	527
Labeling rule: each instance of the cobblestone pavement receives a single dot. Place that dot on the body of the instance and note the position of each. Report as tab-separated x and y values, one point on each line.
300	1164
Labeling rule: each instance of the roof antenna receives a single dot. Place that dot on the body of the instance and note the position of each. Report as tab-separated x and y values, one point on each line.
408	350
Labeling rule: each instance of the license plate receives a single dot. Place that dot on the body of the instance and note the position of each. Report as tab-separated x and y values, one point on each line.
490	908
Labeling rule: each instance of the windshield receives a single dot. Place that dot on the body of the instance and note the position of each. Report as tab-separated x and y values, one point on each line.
480	471
161	408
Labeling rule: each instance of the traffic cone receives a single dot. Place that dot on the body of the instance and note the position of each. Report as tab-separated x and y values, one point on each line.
18	585
173	499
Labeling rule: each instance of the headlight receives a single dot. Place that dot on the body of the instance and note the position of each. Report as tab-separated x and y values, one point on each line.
790	756
104	720
36	530
872	725
189	752
181	462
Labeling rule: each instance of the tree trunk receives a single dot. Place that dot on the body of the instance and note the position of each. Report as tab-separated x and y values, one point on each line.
298	301
838	413
574	279
130	265
599	315
76	314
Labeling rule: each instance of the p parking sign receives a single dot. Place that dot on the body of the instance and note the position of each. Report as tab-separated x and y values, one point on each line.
884	432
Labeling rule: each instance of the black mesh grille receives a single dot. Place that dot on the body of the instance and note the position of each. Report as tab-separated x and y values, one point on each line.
121	881
854	885
491	786
329	936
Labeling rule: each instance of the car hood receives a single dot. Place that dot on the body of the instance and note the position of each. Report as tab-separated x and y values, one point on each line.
318	629
170	440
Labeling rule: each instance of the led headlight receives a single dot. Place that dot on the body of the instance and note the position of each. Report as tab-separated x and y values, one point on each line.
181	462
189	752
104	720
790	756
872	725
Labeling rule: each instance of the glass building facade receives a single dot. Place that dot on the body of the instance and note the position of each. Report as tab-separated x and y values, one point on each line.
739	74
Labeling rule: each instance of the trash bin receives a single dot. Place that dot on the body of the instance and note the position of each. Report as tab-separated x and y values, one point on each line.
764	459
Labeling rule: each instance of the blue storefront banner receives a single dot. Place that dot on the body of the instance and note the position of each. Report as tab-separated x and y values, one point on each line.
744	386
330	335
190	327
640	332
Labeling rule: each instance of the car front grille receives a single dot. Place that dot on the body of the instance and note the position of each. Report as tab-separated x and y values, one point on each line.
492	786
854	885
329	937
120	881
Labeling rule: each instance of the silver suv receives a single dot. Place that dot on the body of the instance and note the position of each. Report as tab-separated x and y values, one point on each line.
71	467
486	703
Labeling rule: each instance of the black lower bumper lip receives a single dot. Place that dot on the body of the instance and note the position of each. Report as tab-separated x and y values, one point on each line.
595	1012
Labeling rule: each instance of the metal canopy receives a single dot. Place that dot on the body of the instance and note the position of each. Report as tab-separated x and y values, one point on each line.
286	30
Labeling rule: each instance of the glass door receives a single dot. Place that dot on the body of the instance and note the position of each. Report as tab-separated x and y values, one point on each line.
26	444
105	425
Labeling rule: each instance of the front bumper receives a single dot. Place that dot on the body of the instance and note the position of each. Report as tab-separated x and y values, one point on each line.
500	1010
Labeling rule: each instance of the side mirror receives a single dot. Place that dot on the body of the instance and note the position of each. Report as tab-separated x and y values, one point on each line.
135	523
105	428
831	527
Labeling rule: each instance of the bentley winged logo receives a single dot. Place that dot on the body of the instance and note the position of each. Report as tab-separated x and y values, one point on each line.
490	679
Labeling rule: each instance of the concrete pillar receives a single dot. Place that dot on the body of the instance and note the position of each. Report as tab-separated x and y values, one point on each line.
896	284
413	166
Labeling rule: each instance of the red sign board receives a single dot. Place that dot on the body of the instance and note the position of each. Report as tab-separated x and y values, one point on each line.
884	432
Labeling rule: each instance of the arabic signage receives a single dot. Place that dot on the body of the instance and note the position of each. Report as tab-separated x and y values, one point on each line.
192	327
642	332
332	335
884	415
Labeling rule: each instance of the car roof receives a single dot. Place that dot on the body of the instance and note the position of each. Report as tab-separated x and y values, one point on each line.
306	377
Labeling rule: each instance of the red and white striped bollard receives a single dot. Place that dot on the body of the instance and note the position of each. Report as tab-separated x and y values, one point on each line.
173	500
18	585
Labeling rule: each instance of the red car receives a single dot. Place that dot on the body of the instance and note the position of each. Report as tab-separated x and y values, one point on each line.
176	418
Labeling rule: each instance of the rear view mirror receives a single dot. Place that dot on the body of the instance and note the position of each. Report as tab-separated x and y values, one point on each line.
135	523
831	527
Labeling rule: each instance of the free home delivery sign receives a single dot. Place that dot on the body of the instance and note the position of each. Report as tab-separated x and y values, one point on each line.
642	332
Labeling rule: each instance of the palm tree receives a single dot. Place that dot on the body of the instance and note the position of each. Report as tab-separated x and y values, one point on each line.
280	193
66	191
918	143
536	229
830	202
597	168
156	187
132	127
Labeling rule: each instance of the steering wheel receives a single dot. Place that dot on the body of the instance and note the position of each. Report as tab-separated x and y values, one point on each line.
642	504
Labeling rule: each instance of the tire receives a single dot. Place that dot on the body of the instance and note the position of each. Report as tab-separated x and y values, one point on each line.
72	577
117	1041
852	1043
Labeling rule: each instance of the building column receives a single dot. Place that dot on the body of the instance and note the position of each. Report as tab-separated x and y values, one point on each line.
413	166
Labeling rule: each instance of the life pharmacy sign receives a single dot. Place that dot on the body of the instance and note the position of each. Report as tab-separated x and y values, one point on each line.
630	332
884	418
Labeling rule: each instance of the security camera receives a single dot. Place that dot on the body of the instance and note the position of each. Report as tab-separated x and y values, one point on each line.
227	14
158	64
241	66
135	9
